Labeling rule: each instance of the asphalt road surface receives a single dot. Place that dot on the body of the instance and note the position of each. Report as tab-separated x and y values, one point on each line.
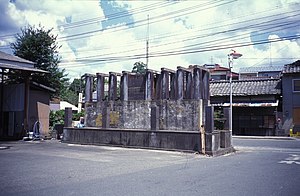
259	167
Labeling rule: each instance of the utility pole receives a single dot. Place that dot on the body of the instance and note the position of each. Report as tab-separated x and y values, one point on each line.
270	54
147	43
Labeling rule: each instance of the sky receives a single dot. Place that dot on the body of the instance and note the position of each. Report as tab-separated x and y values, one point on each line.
101	36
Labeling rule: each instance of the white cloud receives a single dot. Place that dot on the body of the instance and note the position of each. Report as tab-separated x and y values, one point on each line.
167	35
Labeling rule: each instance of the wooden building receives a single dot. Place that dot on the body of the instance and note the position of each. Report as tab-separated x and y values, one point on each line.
256	104
22	101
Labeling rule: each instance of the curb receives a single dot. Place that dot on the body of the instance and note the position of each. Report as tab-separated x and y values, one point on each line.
264	137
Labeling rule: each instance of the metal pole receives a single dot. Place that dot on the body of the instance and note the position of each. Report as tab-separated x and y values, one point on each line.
230	92
231	56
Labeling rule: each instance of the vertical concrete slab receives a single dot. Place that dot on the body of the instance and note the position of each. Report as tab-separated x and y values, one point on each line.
68	117
209	119
165	84
189	86
124	86
158	86
179	84
112	86
88	88
205	87
197	83
106	115
149	85
212	143
100	86
154	118
173	85
225	139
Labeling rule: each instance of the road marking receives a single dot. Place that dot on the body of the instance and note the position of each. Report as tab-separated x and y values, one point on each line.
294	158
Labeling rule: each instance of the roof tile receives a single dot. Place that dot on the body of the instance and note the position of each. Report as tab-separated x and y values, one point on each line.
292	68
246	87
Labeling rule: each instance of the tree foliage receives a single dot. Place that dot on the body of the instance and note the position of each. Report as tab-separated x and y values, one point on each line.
72	90
139	67
39	45
77	86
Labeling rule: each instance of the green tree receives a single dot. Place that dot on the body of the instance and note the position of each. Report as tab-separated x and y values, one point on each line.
139	67
39	45
69	96
77	86
71	93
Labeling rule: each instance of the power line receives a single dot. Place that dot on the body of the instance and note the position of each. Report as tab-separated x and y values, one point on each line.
159	18
209	42
183	52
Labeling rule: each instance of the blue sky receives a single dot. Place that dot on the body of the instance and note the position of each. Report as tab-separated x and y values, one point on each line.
102	36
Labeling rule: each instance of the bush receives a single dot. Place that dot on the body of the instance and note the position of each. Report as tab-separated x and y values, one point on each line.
77	116
56	117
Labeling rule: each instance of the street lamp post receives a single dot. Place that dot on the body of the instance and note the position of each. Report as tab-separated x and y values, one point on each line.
232	55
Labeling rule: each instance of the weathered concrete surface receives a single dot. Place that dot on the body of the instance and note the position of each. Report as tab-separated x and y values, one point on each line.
225	139
162	139
182	115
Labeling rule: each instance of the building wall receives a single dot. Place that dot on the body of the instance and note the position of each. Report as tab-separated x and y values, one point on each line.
13	110
39	110
259	121
291	103
251	120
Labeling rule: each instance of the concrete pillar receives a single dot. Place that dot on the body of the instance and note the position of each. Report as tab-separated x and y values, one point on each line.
173	86
154	118
158	86
149	85
179	84
197	83
209	119
205	88
124	86
165	84
100	86
225	139
88	88
112	86
68	117
106	116
226	135
212	137
189	85
212	143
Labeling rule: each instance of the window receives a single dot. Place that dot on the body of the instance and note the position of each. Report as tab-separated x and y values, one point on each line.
296	85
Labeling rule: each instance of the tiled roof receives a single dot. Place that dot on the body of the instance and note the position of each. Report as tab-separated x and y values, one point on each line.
246	87
292	68
260	69
8	61
9	57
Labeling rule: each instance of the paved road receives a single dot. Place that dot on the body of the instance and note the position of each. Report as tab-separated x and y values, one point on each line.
259	167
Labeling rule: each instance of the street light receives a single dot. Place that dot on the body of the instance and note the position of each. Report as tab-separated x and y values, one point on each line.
232	55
